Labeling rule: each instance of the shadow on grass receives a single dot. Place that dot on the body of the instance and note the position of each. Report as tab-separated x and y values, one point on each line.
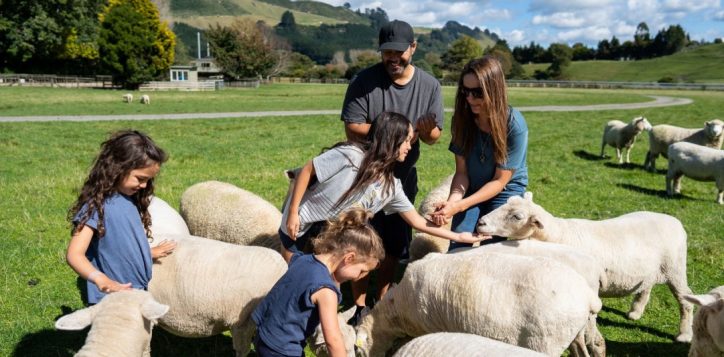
651	192
625	166
589	156
646	349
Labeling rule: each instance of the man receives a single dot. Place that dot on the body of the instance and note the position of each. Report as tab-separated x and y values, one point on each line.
395	85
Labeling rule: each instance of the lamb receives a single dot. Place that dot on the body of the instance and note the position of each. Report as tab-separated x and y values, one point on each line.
697	162
213	286
423	243
145	99
461	344
165	220
637	250
128	98
622	136
224	212
708	324
510	298
661	136
122	324
318	345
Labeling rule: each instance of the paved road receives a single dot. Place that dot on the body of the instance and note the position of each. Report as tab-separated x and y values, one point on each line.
659	101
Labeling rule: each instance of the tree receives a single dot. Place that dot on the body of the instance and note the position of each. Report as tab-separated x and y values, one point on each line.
287	21
300	66
134	45
241	50
582	53
642	41
461	51
562	55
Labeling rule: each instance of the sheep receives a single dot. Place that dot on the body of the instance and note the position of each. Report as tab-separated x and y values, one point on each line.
128	98
224	212
623	136
461	344
213	286
423	243
637	250
510	298
165	220
318	345
661	136
121	324
697	162
145	99
708	324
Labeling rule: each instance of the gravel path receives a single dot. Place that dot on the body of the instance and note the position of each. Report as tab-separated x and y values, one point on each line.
659	101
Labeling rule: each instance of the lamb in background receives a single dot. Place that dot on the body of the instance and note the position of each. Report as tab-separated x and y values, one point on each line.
623	136
697	162
708	324
145	99
510	298
121	324
128	98
224	212
461	344
661	136
637	250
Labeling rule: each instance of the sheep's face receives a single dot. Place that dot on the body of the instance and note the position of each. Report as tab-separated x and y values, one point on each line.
714	128
710	315
641	124
319	346
517	219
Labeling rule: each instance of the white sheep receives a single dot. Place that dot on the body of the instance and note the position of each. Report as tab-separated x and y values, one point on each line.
637	250
121	324
318	345
510	298
708	324
224	212
461	344
128	98
661	136
145	99
697	162
623	136
165	220
423	243
213	286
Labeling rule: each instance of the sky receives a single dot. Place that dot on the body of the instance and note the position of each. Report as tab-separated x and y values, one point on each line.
558	21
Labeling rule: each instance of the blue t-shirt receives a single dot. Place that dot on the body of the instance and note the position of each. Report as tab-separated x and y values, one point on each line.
481	160
123	253
287	316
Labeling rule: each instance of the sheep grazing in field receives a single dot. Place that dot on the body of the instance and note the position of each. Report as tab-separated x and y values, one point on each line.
145	99
213	286
661	136
224	212
423	243
708	324
697	162
128	98
637	250
622	136
461	344
510	298
121	324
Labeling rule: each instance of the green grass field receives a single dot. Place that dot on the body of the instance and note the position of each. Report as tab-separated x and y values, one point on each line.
44	163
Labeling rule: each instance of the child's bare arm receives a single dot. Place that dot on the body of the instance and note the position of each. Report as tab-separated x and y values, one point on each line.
421	224
300	186
326	300
75	256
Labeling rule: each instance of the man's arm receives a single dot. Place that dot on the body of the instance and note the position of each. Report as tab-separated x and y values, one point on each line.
356	131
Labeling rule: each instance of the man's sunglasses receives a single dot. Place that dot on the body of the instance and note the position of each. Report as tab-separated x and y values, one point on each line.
476	92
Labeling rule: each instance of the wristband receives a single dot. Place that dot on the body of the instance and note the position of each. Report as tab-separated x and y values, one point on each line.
91	277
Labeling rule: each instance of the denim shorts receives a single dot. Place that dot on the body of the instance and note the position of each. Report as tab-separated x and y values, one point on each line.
467	221
302	244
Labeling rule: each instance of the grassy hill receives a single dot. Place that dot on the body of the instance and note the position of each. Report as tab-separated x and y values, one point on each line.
701	65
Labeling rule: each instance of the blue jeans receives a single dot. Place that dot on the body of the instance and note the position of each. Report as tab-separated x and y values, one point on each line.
467	221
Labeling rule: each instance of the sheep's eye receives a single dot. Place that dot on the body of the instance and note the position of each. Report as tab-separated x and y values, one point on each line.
517	216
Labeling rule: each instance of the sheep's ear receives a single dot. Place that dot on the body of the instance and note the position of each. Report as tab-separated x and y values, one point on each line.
346	315
513	198
153	310
533	219
701	300
528	196
77	320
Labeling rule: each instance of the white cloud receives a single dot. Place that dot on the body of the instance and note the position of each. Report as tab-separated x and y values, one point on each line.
688	6
498	14
552	6
719	16
515	37
560	20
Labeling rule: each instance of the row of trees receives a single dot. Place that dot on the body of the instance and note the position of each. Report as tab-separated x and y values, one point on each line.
121	38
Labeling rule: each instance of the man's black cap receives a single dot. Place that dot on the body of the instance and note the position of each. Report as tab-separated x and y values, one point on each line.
396	35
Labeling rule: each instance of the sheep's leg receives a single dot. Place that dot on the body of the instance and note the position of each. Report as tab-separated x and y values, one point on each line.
578	345
639	304
618	156
678	285
595	342
241	335
603	147
677	183
720	197
720	186
673	181
628	153
650	163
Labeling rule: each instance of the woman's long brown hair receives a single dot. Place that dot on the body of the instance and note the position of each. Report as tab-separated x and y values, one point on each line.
492	81
124	151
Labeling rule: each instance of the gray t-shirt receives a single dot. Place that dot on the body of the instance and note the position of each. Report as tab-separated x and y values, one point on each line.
372	92
336	170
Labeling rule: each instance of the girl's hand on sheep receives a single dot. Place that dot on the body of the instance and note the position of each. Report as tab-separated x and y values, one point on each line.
293	225
163	249
107	285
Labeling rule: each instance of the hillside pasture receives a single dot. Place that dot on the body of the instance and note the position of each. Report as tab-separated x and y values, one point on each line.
44	163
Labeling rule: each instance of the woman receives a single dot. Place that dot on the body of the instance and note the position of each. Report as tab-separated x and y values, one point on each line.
490	141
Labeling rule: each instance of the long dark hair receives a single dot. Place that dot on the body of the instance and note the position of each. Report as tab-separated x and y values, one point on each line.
350	231
123	152
382	148
492	82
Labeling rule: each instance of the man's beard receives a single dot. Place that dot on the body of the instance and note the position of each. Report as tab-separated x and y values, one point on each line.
401	66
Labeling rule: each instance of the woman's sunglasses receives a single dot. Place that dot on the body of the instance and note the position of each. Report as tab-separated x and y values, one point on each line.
476	92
